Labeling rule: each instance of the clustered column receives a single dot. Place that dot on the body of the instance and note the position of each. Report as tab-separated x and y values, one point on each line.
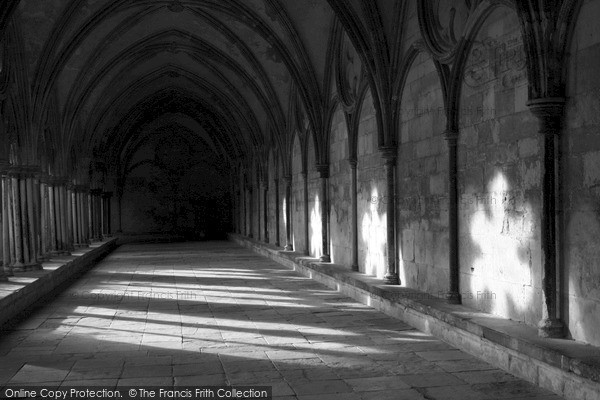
95	214
324	175
20	221
288	214
389	158
265	211
106	214
550	112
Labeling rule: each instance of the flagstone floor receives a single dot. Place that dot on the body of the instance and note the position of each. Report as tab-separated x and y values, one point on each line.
213	313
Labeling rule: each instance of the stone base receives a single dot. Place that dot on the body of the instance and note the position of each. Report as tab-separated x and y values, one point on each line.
551	328
391	279
453	298
325	258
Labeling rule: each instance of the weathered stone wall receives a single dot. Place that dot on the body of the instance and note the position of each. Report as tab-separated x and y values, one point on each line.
499	177
580	177
314	202
339	192
298	227
371	196
422	173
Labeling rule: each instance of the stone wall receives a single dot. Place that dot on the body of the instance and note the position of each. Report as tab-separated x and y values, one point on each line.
298	226
371	195
580	177
340	202
422	181
499	177
499	182
314	202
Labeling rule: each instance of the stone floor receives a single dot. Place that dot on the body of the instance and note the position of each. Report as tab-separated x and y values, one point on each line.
213	313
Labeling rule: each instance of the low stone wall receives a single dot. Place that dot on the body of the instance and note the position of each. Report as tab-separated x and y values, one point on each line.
568	368
26	289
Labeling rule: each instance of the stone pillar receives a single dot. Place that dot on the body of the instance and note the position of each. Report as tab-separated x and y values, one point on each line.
550	112
45	226
68	190
53	223
354	195
23	234
306	222
6	270
324	175
96	221
453	296
32	201
390	155
251	213
11	219
85	204
265	210
39	216
288	214
73	218
106	213
276	182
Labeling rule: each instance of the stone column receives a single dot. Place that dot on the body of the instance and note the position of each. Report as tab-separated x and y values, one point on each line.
18	262
45	217
324	175
251	213
90	214
390	155
39	216
96	214
11	219
73	217
67	188
85	201
288	214
276	182
354	195
6	270
53	218
106	212
550	112
32	204
120	211
306	222
453	296
265	210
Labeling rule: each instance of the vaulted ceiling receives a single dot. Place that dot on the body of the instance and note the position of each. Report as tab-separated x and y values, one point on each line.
247	73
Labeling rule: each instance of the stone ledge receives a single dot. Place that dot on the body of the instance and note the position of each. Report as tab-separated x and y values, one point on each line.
568	368
25	289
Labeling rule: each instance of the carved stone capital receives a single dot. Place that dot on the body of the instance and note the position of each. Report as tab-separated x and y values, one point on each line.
451	136
550	111
323	170
389	155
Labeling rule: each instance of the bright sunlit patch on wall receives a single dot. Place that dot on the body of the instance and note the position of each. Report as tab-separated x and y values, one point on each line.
316	242
374	237
501	273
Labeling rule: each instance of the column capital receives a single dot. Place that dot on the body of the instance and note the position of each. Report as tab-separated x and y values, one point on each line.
107	195
323	170
95	192
353	162
389	155
550	111
451	135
